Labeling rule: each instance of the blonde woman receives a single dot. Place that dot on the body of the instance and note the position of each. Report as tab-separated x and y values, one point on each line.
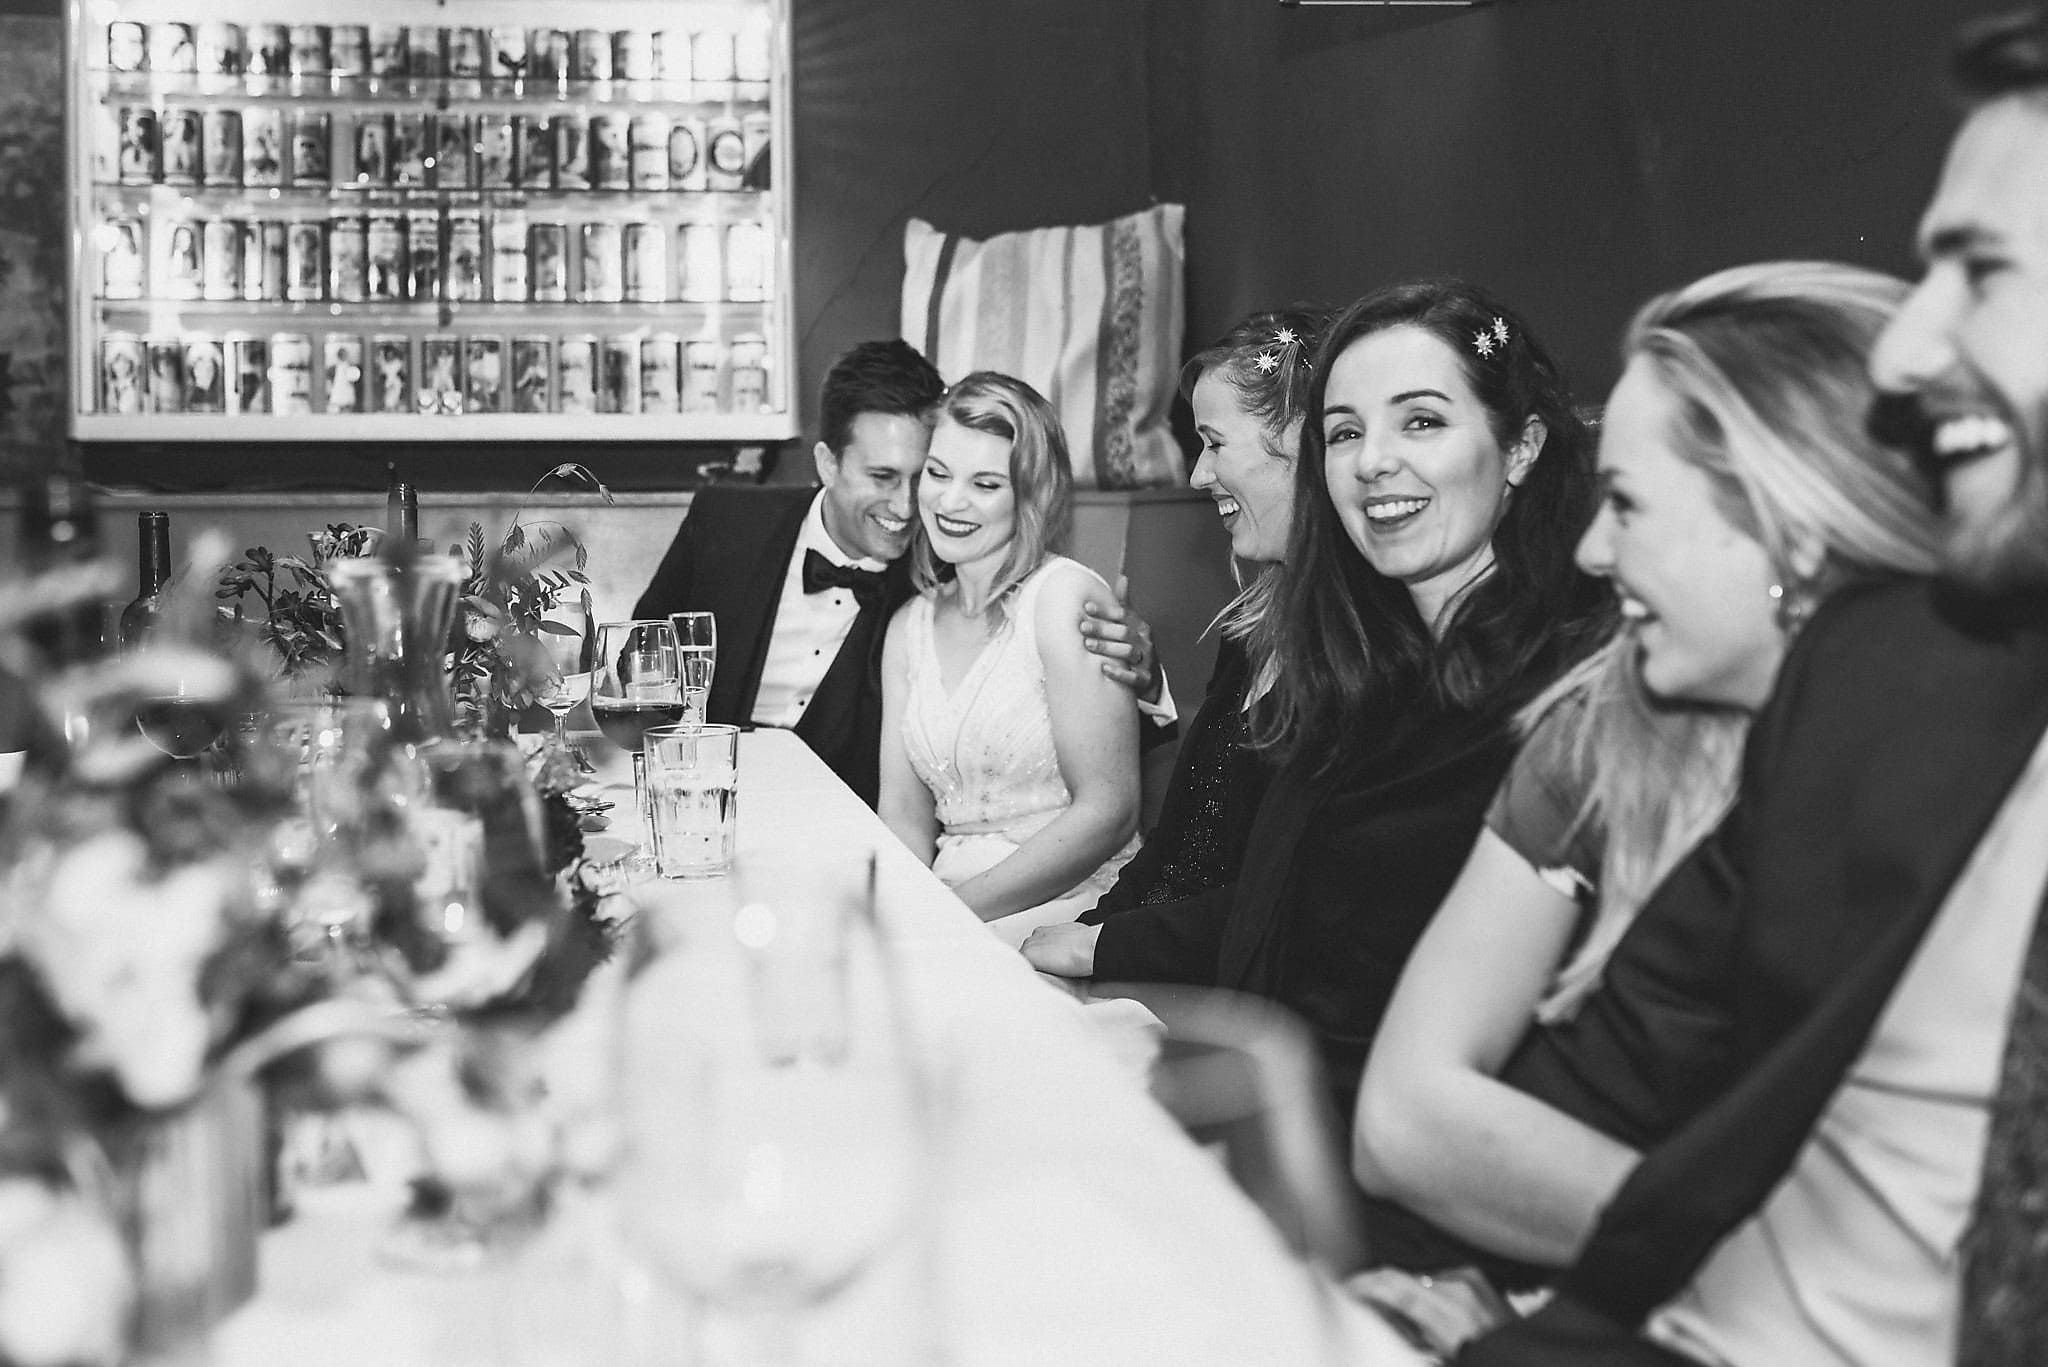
1009	758
1739	487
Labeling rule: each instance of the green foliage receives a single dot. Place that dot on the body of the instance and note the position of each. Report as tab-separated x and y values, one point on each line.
500	664
301	618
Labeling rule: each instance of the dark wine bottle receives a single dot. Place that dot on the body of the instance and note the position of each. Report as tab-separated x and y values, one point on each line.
401	510
153	559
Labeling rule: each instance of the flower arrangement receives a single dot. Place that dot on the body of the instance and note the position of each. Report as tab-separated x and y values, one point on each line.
143	959
500	663
168	929
301	621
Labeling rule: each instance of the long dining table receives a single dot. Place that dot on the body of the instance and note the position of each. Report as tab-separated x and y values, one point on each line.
1067	1217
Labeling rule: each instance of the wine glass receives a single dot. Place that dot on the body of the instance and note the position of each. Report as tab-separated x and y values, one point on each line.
567	640
183	702
697	647
776	1122
637	686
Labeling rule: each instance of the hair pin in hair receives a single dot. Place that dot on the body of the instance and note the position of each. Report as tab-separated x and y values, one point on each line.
1487	340
1285	349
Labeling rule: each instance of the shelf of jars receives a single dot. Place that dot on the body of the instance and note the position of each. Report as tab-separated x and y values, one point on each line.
489	231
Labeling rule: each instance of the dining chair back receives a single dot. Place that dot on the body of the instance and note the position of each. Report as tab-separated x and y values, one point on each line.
1241	1075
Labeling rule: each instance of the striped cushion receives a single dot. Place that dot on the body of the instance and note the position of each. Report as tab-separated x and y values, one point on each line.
1089	316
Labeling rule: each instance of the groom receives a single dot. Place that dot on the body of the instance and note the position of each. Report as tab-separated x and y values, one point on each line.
803	581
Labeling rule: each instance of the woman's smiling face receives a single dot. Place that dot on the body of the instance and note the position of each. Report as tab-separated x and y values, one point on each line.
965	498
1418	478
1695	589
1253	488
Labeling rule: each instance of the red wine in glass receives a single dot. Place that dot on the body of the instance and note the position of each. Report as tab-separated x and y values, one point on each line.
181	727
626	721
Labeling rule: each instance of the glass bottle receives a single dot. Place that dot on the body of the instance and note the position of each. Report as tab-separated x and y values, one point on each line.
153	561
401	510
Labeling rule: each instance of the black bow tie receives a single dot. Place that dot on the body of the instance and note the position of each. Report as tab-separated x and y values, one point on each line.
821	574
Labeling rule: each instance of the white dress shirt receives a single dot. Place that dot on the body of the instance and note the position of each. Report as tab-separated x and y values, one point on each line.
809	628
1853	1259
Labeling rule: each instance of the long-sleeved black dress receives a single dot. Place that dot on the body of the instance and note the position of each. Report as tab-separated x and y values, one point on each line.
1341	870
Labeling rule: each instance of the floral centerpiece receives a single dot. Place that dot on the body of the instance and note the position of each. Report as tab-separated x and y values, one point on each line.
175	919
462	910
144	962
498	664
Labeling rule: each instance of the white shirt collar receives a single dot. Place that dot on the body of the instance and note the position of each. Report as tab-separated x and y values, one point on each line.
814	537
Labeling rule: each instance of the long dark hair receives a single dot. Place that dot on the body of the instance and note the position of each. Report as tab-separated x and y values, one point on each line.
1346	641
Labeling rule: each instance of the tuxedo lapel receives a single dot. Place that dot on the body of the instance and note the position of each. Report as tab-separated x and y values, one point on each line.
747	549
843	721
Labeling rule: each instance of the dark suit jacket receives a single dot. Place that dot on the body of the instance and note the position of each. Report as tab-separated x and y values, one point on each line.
729	558
1751	981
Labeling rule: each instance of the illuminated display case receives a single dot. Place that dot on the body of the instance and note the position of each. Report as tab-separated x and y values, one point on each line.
490	226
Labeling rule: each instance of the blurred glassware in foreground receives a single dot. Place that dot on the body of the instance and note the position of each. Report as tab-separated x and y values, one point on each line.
776	1121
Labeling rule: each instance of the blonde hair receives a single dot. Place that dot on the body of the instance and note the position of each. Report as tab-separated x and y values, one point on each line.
1041	477
1768	368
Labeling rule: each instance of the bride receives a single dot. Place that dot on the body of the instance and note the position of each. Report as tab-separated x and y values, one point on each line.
1009	761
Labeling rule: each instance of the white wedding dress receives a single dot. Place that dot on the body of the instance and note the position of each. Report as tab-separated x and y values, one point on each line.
985	750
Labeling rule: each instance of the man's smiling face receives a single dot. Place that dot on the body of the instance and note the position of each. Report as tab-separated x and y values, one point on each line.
869	486
1969	351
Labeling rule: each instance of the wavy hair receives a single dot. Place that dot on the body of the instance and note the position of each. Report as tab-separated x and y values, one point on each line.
1345	640
1271	379
1041	477
1767	367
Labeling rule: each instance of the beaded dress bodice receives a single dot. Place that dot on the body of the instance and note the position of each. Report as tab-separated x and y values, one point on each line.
985	746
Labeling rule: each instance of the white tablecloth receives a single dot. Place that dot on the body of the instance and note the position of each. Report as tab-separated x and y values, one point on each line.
1070	1221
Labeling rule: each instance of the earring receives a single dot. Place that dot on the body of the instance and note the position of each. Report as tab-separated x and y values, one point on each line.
1791	608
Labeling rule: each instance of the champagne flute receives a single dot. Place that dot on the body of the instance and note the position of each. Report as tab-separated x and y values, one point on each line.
697	646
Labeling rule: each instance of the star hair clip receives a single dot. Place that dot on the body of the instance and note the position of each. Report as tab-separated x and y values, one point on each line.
1486	341
1285	342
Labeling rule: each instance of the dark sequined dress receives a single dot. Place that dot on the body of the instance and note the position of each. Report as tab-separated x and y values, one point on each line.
1217	783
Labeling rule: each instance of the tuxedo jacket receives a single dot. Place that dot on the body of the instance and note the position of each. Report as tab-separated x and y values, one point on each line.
729	557
1751	981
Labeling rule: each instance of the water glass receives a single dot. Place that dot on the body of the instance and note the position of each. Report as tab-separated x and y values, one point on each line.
692	794
697	647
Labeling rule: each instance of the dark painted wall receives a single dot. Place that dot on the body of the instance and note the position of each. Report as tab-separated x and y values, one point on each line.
1575	155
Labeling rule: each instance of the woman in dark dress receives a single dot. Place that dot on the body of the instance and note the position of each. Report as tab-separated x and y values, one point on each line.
1427	594
1249	392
